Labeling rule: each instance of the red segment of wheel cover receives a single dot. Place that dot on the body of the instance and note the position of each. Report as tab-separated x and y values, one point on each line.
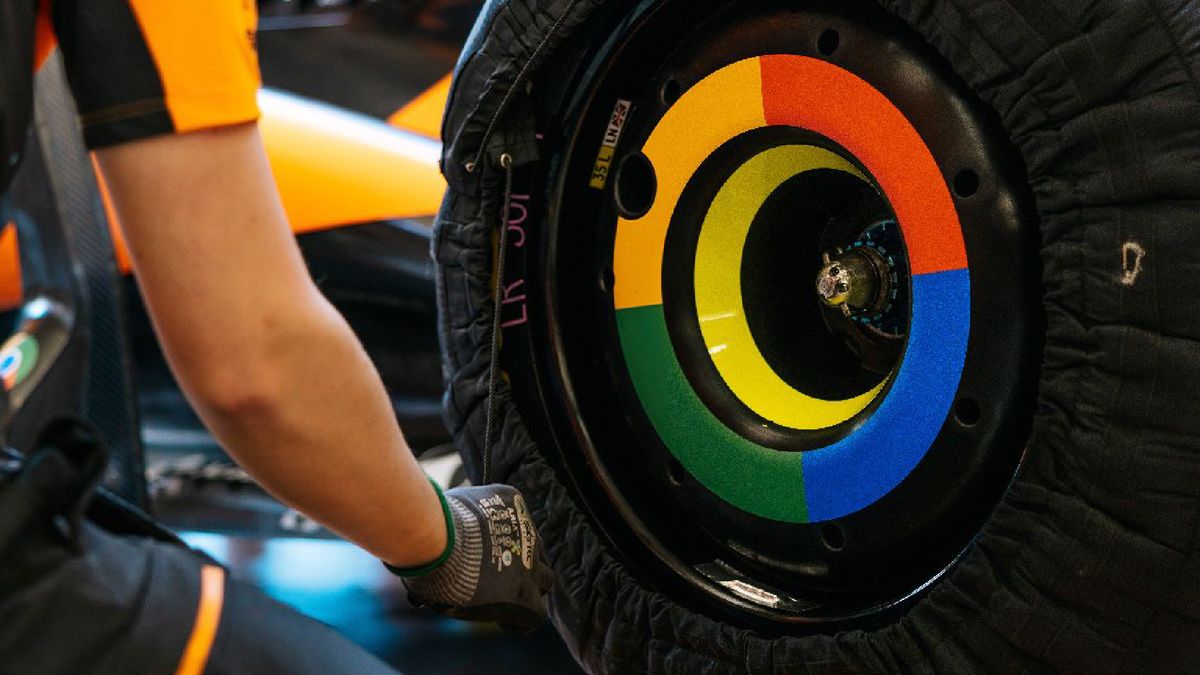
805	92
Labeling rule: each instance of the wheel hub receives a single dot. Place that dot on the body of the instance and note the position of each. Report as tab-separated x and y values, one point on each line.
861	281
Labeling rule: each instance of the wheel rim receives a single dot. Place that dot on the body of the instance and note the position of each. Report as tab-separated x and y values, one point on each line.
773	494
839	478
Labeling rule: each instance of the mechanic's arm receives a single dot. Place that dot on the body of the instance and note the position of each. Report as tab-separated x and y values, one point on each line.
272	368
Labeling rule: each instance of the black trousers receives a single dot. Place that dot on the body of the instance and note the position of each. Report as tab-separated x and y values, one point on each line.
80	592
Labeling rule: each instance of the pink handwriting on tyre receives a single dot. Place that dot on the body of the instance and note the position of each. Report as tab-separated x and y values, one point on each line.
512	301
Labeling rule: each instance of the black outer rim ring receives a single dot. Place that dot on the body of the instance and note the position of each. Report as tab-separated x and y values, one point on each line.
553	388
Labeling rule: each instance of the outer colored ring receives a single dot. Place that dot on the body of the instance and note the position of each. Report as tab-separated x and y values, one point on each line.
718	286
857	470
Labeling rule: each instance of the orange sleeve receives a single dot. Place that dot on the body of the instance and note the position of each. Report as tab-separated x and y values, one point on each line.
140	68
205	54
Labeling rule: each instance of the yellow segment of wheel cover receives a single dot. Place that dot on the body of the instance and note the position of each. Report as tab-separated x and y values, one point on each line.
719	107
718	287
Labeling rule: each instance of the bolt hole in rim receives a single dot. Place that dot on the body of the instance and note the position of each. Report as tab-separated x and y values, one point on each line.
635	186
966	183
967	412
696	517
828	42
671	91
833	537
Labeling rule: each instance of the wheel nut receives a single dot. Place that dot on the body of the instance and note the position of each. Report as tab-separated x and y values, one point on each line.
854	280
833	284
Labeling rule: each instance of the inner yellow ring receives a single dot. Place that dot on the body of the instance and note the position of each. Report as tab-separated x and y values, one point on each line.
718	286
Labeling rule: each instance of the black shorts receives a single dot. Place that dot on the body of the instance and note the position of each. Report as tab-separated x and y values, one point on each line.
88	585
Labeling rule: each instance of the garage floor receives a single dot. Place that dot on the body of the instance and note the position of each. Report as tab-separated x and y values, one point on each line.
344	587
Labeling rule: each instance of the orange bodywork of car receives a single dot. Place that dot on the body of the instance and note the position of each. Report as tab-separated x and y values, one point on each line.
423	115
334	168
10	268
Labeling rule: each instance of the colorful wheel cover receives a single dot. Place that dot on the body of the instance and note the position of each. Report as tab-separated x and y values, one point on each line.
852	473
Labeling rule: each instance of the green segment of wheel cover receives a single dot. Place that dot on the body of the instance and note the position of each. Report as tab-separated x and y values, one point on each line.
765	482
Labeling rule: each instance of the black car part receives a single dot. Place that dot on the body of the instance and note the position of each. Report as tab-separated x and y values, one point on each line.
68	352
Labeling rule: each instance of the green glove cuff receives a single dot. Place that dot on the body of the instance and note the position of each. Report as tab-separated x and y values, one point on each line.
437	562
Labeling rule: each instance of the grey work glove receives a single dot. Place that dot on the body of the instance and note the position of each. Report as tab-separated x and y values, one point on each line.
492	569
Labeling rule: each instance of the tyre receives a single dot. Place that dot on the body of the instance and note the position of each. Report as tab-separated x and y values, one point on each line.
831	335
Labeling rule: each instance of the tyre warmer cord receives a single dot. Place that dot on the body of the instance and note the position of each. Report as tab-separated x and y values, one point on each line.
506	162
489	434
